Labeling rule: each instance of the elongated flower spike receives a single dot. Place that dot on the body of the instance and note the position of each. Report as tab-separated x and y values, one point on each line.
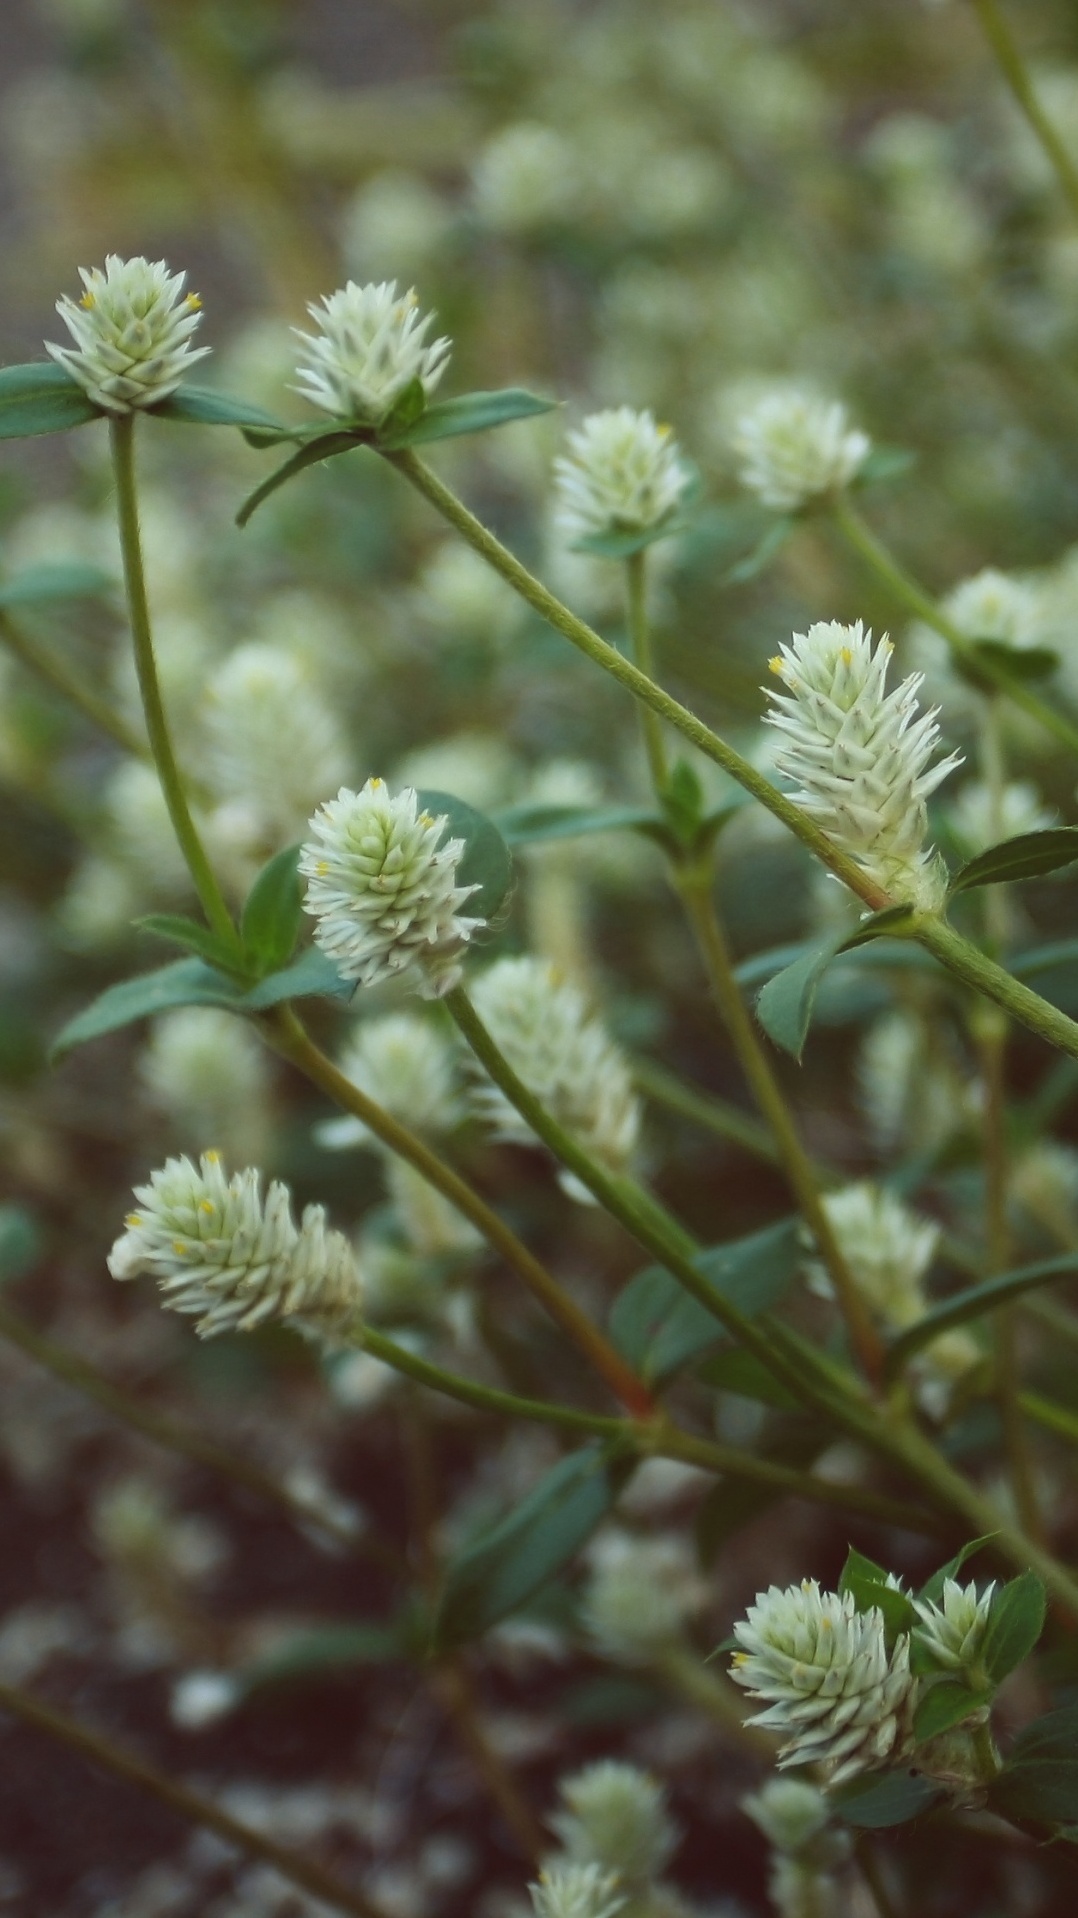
220	1251
370	345
623	473
830	1683
132	330
861	755
382	890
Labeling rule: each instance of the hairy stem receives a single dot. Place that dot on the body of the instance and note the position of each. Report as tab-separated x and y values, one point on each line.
288	1037
1013	68
212	899
204	1812
57	675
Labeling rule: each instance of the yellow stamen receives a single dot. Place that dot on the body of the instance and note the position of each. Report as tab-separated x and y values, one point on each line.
194	302
776	665
88	299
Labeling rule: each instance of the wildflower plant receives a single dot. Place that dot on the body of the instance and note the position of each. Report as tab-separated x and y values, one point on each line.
569	1000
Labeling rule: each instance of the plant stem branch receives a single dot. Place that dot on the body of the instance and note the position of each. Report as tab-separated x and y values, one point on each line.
694	886
1013	68
640	652
212	899
54	673
188	1804
288	1037
707	1110
976	969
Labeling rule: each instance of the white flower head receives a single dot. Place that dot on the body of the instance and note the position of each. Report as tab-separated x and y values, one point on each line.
827	1676
208	1071
887	1247
953	1632
219	1250
861	755
980	818
370	345
615	1817
623	473
640	1595
132	330
563	1054
526	178
576	1891
382	889
406	1065
260	697
796	447
789	1811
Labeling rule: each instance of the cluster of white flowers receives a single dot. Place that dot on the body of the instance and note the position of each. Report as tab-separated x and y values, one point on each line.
808	1851
861	755
615	1817
259	697
526	178
640	1595
844	1700
623	473
219	1250
887	1247
132	330
370	345
382	890
795	447
564	1055
208	1071
953	1632
406	1065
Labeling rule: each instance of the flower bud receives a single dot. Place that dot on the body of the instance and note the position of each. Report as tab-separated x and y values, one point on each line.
370	345
623	473
953	1632
795	448
615	1817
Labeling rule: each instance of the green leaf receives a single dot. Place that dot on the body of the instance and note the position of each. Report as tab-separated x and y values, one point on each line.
867	1583
1039	1783
187	982
659	1327
873	1803
201	406
932	1589
528	825
193	937
273	912
883	464
469	413
324	446
1029	856
41	398
762	555
974	1302
20	1242
1040	959
498	1572
784	1006
312	976
61	581
878	925
1015	1623
486	861
631	539
407	409
988	661
944	1705
320	1652
742	1373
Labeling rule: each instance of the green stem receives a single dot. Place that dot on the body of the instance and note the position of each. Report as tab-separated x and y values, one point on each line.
640	652
906	590
53	673
707	1110
976	969
1014	71
654	1438
288	1037
711	1692
121	434
188	1804
694	885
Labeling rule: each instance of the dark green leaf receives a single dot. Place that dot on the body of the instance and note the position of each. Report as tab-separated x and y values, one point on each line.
20	1242
1039	1782
878	925
1015	1623
975	1301
41	398
498	1572
762	555
486	861
407	409
733	1503
741	1372
878	951
784	1007
1031	964
630	539
312	976
470	413
325	446
659	1327
187	982
867	1583
273	912
193	937
321	1651
944	1705
1030	856
527	825
873	1803
884	463
200	406
988	661
932	1589
60	581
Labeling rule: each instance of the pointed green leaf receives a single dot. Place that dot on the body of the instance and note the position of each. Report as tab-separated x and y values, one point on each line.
201	406
887	924
943	1705
41	398
738	1371
529	824
469	413
972	1303
873	1803
659	1327
867	1584
498	1572
1039	1782
273	912
312	976
762	555
486	861
932	1589
990	662
193	937
60	581
187	982
784	1006
324	447
1030	856
320	1652
1015	1623
408	408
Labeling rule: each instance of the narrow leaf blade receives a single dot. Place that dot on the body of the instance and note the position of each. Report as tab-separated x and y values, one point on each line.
1031	855
201	406
38	584
187	982
469	413
41	398
784	1006
975	1301
273	912
325	447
